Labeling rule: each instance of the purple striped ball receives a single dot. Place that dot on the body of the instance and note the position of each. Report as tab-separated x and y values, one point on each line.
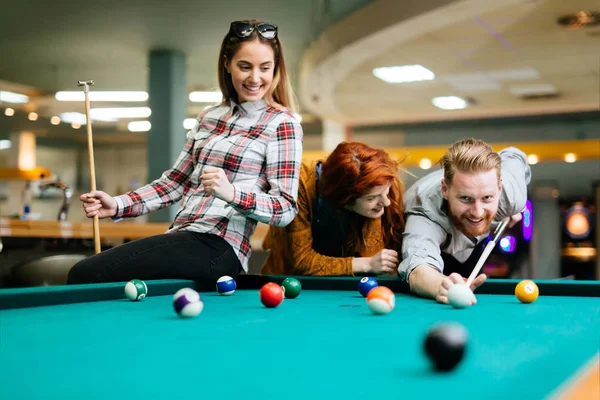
187	303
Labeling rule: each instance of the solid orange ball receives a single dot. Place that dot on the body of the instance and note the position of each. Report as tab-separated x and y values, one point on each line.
527	291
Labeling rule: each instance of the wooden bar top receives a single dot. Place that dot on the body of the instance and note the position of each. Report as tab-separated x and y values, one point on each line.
11	227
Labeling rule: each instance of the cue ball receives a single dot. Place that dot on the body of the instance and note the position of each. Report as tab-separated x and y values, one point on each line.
226	285
366	284
136	290
460	295
527	291
187	303
271	295
291	288
445	345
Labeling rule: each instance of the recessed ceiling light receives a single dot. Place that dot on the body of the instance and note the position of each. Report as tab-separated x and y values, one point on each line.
425	163
404	73
449	102
102	96
189	123
206	97
10	97
570	158
139	126
5	144
532	159
107	114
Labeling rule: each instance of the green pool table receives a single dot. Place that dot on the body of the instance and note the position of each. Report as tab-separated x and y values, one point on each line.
89	342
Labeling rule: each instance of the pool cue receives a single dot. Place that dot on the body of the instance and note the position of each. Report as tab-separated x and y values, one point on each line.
488	249
86	88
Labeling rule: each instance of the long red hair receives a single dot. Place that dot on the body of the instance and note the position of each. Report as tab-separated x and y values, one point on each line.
350	171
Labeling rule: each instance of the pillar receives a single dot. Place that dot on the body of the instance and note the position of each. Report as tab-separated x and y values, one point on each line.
333	134
167	100
546	238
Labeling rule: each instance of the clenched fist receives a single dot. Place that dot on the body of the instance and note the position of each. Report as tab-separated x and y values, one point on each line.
98	203
216	183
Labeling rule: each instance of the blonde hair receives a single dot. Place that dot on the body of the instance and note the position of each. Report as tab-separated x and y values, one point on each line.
470	156
281	89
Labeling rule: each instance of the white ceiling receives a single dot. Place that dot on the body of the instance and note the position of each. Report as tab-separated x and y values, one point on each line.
478	49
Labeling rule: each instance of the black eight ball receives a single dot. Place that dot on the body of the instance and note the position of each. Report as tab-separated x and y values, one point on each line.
445	345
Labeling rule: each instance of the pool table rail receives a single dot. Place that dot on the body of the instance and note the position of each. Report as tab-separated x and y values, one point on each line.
54	295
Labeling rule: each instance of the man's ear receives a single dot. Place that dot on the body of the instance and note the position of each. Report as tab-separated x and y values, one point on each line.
444	189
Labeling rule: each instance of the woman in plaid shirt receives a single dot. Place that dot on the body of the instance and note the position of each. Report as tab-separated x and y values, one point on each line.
240	165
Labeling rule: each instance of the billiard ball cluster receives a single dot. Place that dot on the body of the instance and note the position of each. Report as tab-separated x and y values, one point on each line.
461	296
444	344
271	294
380	299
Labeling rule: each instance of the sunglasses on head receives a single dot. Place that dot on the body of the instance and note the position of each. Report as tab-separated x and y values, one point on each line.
244	29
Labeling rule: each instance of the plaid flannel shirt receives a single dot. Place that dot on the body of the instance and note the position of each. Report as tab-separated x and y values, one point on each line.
260	149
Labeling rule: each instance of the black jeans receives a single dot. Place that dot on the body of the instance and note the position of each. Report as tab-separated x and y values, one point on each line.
179	255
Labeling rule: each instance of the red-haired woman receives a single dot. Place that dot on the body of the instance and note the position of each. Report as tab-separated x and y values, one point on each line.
350	219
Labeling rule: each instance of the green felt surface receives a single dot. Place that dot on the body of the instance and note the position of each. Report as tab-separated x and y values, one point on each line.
321	345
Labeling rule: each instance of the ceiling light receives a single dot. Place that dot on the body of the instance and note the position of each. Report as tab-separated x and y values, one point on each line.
5	144
10	97
532	159
405	73
9	112
55	120
139	126
107	114
206	97
570	158
425	163
32	116
189	123
73	117
449	102
102	96
75	125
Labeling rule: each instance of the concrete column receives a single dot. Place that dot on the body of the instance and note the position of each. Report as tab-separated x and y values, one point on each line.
546	238
167	99
333	134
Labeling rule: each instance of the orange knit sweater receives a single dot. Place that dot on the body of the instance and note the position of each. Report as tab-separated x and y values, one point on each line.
290	248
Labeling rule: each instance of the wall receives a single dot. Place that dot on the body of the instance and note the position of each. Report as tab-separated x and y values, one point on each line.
573	180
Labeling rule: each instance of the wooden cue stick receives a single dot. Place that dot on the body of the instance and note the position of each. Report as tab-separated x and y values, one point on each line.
90	142
488	249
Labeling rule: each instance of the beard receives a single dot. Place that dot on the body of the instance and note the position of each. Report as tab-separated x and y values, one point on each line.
463	224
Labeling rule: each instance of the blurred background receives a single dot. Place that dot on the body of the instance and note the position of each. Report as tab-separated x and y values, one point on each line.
410	77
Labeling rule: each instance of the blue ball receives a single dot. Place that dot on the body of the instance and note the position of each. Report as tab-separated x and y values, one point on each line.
226	285
366	284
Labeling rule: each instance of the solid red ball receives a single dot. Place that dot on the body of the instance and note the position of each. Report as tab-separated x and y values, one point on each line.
271	295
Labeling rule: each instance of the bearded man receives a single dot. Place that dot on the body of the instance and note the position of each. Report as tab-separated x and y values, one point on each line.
450	213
